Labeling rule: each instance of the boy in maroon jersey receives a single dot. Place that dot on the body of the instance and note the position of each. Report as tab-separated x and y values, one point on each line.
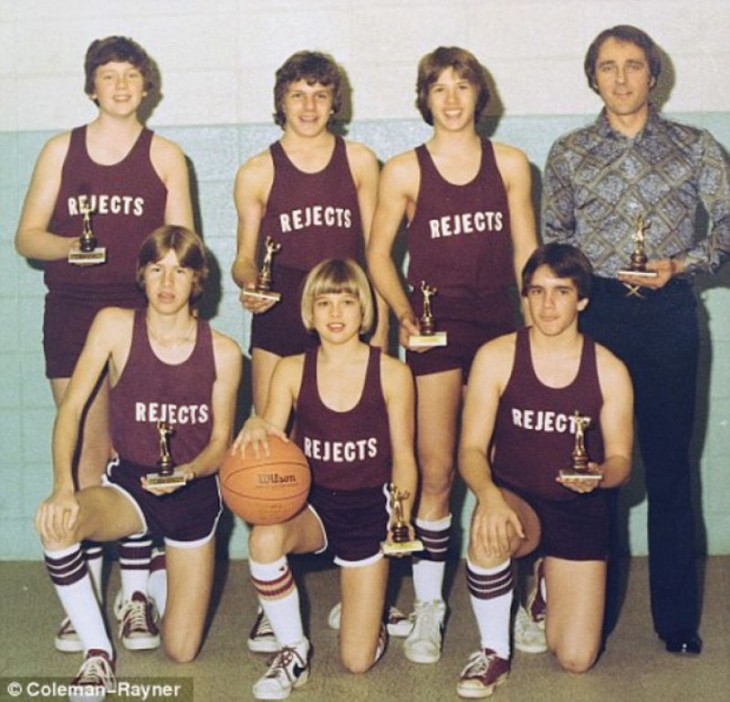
355	423
133	181
518	433
471	228
166	365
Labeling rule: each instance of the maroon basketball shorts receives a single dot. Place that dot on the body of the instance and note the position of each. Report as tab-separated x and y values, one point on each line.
280	330
469	323
354	522
576	529
66	323
185	518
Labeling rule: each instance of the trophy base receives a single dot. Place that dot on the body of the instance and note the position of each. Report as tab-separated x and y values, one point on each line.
639	274
587	476
160	480
88	258
401	549
422	341
263	295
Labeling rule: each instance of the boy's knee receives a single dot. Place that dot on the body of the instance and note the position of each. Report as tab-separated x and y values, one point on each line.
265	543
180	652
576	661
355	662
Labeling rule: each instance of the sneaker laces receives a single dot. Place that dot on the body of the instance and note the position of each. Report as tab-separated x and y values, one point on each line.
478	664
134	617
95	670
280	668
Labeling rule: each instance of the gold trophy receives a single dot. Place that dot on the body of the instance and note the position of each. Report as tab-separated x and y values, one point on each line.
88	253
263	289
167	476
637	262
401	545
428	336
579	467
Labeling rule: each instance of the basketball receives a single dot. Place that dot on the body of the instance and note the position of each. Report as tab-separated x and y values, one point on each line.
268	489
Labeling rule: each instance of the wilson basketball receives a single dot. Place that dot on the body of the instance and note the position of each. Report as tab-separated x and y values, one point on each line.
268	489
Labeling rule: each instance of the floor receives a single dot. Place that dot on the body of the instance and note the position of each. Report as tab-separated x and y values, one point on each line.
634	668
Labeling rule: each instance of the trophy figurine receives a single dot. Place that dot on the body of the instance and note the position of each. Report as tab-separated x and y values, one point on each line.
637	262
88	253
579	464
167	475
428	336
263	289
401	544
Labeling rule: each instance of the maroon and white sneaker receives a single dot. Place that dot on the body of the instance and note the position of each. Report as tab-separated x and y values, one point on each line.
288	669
262	638
138	625
67	639
95	678
481	675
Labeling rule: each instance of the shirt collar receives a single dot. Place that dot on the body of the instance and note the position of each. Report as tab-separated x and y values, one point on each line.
654	125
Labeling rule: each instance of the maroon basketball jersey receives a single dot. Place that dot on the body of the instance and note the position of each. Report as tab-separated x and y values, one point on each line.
346	450
313	215
149	390
534	434
128	201
460	238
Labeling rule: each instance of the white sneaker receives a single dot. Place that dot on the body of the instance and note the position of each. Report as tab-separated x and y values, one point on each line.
67	639
398	624
95	678
529	635
288	669
423	644
262	639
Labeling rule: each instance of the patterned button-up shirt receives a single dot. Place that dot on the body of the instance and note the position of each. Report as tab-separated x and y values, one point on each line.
598	182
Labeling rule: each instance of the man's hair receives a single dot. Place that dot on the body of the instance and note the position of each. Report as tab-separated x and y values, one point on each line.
565	261
624	33
188	247
464	64
338	275
122	49
312	67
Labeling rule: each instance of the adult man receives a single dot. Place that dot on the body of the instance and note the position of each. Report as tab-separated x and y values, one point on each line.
632	169
530	396
470	229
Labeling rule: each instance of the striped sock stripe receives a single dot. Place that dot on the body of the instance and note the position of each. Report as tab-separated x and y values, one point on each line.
436	542
489	586
135	552
274	589
68	569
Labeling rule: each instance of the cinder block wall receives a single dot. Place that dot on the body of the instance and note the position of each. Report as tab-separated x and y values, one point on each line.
217	62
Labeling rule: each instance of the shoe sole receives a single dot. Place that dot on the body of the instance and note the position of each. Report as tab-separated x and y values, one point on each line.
146	644
281	694
256	646
68	645
400	630
473	694
423	658
526	648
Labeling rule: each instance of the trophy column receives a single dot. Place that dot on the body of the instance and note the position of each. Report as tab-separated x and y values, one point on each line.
427	323
88	253
166	475
263	289
579	456
401	545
